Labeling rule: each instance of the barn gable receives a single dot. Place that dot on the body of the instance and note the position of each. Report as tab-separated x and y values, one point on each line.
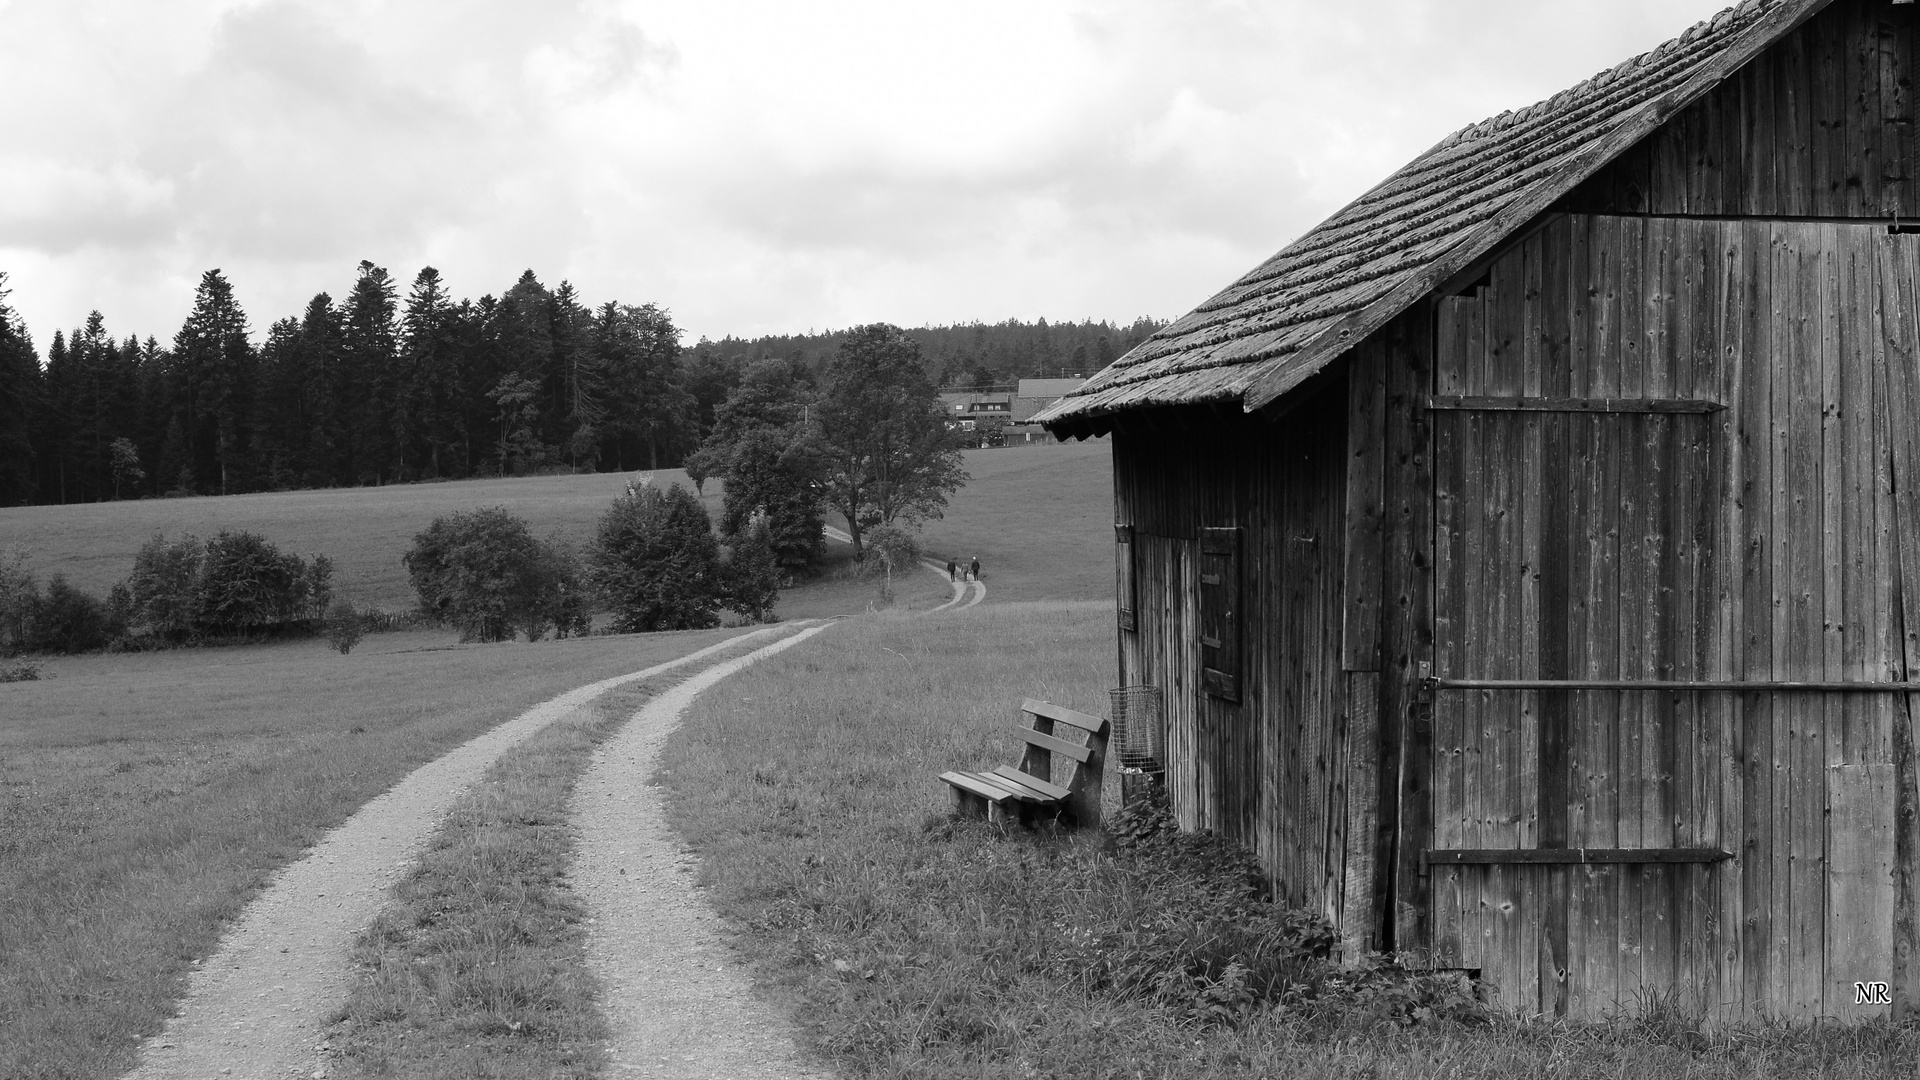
1562	631
1289	318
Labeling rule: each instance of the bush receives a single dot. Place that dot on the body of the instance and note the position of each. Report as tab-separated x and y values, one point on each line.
236	583
19	672
66	620
566	597
165	585
247	584
483	572
751	572
18	594
344	627
655	561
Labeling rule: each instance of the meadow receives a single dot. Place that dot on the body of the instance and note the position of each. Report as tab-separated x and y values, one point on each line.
1026	514
148	796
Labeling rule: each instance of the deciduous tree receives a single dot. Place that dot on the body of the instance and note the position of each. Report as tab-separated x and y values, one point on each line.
890	457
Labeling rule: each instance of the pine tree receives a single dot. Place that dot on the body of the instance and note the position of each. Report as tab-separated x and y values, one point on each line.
213	365
370	379
427	348
322	390
19	397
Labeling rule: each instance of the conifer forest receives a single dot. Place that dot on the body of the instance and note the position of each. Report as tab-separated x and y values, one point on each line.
392	385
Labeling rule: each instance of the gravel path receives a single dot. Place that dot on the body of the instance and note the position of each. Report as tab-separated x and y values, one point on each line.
678	1005
256	1007
977	590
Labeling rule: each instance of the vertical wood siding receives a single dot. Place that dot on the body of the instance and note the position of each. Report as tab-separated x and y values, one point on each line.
1821	125
1754	543
1267	770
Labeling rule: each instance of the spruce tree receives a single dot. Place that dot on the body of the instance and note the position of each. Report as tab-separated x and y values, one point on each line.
213	367
370	379
19	395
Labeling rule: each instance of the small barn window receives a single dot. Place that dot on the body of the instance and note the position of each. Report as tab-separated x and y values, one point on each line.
1220	612
1123	569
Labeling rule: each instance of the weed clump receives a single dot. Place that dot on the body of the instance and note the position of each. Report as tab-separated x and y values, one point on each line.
344	626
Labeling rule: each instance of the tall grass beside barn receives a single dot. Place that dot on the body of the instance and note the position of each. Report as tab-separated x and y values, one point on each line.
912	946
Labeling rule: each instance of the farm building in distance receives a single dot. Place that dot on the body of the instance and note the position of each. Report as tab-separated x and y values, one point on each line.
1534	579
1012	409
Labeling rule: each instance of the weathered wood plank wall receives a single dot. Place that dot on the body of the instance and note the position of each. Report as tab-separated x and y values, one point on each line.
1820	126
1268	770
1754	543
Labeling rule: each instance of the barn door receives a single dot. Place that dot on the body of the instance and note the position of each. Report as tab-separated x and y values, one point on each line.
1570	539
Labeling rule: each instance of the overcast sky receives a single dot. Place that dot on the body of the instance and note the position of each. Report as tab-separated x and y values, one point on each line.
756	167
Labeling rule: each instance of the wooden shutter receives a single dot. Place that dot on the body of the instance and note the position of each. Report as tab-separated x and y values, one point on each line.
1220	612
1123	569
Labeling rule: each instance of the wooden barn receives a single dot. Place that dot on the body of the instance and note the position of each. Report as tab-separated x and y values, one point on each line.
1529	555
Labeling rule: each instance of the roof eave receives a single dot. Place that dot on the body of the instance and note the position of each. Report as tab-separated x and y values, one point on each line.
1337	338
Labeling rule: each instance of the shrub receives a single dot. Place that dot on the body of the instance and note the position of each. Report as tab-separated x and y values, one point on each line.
344	627
21	672
566	599
248	584
165	585
483	572
655	562
66	620
751	572
238	582
18	594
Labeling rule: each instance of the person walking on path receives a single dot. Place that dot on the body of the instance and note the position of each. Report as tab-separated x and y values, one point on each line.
952	570
973	571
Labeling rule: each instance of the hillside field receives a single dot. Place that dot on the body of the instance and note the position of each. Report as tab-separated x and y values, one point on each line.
145	797
1037	516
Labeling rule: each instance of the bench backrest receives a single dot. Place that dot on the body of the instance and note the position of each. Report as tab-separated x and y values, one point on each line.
1046	723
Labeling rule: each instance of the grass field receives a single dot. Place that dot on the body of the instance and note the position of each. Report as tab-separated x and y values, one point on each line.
147	796
364	530
910	947
1028	513
1040	518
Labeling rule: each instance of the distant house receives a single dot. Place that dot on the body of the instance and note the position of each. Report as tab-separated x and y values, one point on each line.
1527	554
966	409
1031	396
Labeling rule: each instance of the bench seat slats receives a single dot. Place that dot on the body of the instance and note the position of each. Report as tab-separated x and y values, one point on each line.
1051	790
1013	790
1058	746
973	783
996	788
1066	716
1025	791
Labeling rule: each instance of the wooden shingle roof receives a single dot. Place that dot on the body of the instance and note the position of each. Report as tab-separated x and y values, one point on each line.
1302	309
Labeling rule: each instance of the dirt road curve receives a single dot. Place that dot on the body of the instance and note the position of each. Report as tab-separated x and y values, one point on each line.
256	1007
972	592
678	1007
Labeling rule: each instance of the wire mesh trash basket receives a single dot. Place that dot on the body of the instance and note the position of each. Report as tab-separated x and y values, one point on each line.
1137	736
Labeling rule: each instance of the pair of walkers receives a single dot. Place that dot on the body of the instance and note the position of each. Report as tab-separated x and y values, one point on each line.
972	570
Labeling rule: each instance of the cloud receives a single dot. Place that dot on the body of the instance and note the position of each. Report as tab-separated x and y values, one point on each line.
754	165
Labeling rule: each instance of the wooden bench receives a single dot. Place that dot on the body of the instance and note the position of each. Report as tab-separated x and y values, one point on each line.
1029	791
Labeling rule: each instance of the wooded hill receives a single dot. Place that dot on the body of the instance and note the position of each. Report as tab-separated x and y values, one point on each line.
382	387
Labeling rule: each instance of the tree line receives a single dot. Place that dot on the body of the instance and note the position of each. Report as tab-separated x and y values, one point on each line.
391	386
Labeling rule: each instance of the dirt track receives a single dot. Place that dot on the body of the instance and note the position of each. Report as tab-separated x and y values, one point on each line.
257	1006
